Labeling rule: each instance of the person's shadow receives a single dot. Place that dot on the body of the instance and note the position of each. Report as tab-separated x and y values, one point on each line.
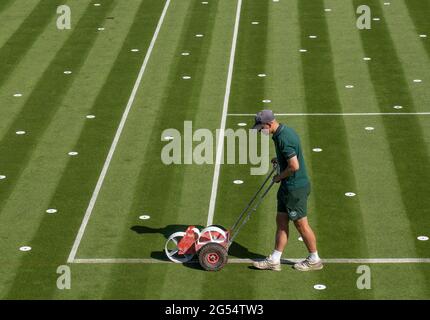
236	250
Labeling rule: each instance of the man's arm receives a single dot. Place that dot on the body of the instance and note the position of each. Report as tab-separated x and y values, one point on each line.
293	166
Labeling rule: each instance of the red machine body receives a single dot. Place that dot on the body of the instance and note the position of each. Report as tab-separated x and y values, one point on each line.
194	240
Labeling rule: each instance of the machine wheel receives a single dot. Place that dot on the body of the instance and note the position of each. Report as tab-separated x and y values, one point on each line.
213	257
212	234
171	248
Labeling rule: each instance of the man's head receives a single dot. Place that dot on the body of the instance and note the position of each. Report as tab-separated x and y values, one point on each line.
265	120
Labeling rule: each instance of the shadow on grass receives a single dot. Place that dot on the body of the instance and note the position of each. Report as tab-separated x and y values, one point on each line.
236	250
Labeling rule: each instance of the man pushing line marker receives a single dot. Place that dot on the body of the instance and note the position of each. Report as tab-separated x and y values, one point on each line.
292	194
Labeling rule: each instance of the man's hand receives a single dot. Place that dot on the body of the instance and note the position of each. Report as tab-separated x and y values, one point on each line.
277	178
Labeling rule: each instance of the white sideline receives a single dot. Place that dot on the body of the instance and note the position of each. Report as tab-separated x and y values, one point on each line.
220	145
93	200
339	114
233	260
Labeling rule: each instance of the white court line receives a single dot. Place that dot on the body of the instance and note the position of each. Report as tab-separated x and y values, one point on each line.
285	261
339	114
220	145
116	139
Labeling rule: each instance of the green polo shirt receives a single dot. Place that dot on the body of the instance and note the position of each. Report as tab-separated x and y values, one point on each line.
287	144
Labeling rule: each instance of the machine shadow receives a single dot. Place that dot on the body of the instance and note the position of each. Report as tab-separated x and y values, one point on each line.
236	250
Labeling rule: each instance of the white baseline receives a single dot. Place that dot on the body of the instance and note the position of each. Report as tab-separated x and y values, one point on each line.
338	114
233	260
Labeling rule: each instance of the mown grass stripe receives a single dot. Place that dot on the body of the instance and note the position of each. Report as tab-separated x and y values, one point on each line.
419	12
405	138
31	196
368	147
4	4
176	108
247	90
77	182
35	117
408	147
283	62
24	37
338	217
44	101
321	94
250	60
159	187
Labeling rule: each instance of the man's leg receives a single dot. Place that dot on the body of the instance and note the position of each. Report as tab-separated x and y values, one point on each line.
312	262
307	234
273	262
282	231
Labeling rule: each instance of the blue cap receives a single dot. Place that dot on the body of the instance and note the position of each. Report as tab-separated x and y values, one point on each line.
263	117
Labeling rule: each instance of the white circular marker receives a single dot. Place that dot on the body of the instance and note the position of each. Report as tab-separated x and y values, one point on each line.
312	37
168	138
376	19
367	59
20	133
67	72
72	153
350	194
423	238
241	124
316	149
25	248
398	107
97	4
144	217
205	2
255	22
267	101
386	3
186	77
51	211
199	35
185	53
369	128
100	29
300	238
262	75
349	86
134	50
2	177
90	116
275	0
319	287
237	181
423	36
418	81
17	95
303	50
327	10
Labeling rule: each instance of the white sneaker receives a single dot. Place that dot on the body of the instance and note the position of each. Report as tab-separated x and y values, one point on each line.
267	264
308	265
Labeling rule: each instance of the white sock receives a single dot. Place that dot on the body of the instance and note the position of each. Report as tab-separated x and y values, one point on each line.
276	256
313	256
